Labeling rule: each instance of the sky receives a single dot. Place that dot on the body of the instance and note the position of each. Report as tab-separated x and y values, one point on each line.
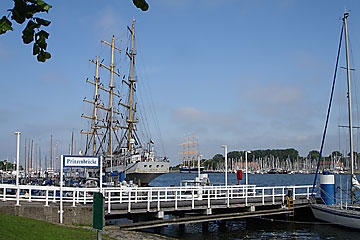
248	74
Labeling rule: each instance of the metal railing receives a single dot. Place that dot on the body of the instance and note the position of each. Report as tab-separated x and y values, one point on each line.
151	195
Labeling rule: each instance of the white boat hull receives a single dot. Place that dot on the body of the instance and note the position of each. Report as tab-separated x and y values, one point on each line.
191	169
334	214
142	173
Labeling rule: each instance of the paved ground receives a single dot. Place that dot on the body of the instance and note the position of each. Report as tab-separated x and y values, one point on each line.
115	233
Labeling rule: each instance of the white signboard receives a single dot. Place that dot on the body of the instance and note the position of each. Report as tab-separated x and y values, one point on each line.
82	161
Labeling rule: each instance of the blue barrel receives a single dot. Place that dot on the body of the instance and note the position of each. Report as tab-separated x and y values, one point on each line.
327	186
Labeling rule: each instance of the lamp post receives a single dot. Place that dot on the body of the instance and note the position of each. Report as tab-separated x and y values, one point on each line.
246	167
225	148
17	166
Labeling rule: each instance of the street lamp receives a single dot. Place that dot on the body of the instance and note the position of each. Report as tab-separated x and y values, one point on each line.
17	166
246	167
225	148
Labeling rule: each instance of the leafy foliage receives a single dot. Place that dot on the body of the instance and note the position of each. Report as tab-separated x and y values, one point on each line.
281	154
5	25
313	154
5	164
142	4
24	10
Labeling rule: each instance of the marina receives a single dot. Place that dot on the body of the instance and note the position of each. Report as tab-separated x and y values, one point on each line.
180	120
189	205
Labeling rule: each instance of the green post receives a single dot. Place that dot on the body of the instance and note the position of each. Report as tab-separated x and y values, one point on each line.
98	212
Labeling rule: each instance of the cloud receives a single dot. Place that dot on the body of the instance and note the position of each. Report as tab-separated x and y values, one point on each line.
189	115
273	99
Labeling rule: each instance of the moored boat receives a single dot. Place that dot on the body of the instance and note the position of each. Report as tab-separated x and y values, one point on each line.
342	214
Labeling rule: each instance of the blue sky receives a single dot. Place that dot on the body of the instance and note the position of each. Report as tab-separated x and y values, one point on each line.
249	74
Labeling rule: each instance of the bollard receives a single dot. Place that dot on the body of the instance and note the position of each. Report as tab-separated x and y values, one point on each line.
98	213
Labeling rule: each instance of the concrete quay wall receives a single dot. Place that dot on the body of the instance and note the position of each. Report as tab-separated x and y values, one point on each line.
72	215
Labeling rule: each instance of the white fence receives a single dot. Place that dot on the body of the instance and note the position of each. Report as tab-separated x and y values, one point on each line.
150	195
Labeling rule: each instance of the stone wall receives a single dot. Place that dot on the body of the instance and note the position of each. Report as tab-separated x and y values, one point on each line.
72	215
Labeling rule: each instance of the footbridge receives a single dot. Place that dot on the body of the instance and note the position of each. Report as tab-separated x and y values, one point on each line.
165	205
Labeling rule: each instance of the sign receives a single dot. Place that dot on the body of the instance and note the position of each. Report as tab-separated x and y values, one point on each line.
76	162
81	161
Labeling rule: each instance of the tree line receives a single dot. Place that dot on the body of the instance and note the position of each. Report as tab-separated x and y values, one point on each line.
289	156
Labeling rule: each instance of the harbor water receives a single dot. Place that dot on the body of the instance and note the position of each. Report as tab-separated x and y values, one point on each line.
259	228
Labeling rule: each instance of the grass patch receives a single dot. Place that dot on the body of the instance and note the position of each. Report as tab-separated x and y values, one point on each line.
14	227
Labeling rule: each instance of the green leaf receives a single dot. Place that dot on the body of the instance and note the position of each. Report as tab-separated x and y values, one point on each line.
5	25
142	4
28	32
47	55
27	38
17	16
144	7
43	34
30	11
40	57
43	6
42	22
41	42
36	49
43	56
19	11
40	39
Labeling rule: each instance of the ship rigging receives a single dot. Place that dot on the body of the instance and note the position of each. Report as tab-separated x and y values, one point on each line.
113	130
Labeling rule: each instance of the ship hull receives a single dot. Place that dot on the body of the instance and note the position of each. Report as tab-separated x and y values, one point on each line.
191	169
336	215
142	173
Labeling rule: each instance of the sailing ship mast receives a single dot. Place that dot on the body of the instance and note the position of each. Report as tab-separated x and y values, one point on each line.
110	124
349	104
131	81
94	118
191	155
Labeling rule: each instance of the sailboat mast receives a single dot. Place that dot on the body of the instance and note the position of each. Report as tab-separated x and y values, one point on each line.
111	88
95	126
131	81
28	166
349	102
25	157
51	152
57	156
96	104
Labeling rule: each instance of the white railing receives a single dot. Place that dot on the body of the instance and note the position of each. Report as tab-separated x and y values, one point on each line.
151	195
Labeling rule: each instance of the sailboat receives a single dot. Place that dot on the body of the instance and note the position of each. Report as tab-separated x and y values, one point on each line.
347	215
114	126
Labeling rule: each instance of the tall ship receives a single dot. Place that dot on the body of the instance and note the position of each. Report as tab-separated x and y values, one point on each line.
190	155
114	123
